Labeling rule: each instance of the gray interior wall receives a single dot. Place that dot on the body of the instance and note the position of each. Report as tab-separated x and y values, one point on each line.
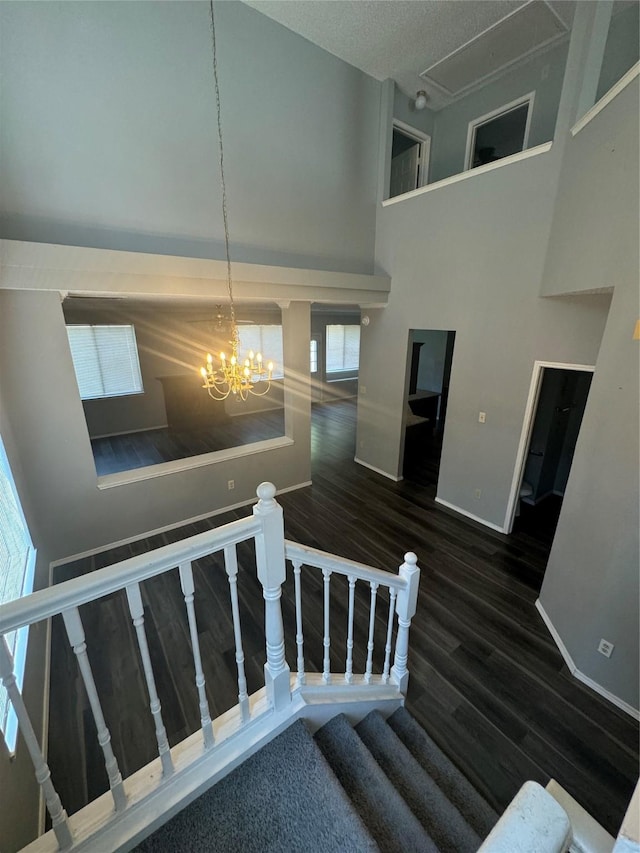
108	134
590	589
432	357
622	49
455	267
404	110
53	442
543	74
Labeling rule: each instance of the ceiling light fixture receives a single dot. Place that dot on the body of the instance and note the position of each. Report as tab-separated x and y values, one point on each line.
421	99
233	376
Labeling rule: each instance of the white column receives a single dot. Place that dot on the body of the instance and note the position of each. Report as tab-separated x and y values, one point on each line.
271	573
405	608
137	613
188	590
297	566
58	815
372	625
348	674
231	567
75	632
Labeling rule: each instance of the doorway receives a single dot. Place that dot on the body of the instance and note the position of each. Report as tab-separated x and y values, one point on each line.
430	361
409	159
557	400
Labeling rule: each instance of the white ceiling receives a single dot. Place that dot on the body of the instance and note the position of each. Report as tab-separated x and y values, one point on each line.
395	38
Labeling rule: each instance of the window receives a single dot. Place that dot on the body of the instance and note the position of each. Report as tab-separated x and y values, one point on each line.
343	349
17	562
105	359
268	341
498	134
313	355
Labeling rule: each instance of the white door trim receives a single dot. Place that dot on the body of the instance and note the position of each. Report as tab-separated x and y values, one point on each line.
505	108
425	149
527	426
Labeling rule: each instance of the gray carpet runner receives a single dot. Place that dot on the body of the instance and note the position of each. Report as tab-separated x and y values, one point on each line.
384	785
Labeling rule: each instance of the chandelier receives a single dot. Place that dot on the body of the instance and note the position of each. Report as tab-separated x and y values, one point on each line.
232	376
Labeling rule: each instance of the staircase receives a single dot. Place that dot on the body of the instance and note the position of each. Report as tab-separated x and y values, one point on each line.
381	785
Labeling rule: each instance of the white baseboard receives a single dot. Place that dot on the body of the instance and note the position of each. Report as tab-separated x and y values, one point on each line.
386	474
129	431
573	669
471	516
100	549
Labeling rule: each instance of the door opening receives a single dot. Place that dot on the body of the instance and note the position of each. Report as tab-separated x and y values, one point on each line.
409	159
431	356
499	133
557	402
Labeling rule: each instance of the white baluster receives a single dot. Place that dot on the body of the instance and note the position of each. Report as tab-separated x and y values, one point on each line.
372	621
271	573
76	635
326	642
348	675
137	613
405	608
188	590
297	566
59	821
387	647
231	566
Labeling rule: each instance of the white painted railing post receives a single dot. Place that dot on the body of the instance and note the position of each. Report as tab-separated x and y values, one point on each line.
271	573
405	608
59	821
75	632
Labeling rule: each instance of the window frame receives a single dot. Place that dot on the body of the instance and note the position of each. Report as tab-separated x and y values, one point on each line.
347	373
9	727
475	123
136	365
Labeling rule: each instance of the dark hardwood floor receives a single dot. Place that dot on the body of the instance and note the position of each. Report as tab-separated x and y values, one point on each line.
151	447
487	681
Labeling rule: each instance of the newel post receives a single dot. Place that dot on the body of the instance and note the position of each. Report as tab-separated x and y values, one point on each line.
405	608
270	563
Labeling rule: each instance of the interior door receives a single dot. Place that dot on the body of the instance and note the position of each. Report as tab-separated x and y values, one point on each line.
404	171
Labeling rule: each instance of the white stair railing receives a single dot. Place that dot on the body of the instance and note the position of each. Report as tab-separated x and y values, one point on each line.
403	595
181	770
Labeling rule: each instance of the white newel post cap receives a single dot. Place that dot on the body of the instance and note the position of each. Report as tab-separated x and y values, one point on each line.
411	559
266	493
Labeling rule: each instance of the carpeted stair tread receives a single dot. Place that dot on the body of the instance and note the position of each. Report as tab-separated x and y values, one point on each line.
387	816
474	808
441	819
282	798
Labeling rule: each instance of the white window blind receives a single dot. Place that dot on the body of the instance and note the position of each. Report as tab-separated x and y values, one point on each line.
105	359
266	340
313	356
343	348
17	561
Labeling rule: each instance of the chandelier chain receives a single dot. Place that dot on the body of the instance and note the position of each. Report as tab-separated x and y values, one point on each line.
225	219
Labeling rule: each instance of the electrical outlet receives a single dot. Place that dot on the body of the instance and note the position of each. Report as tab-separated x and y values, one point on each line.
363	389
482	417
606	648
231	484
478	494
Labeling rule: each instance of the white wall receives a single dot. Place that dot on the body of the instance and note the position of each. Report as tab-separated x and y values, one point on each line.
590	589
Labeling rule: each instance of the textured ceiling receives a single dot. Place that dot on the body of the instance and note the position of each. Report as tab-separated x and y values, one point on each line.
394	38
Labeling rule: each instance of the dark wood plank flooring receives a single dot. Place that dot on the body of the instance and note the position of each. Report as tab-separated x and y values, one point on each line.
487	680
128	451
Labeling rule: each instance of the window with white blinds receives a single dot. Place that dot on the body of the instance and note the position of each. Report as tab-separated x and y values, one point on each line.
17	562
266	340
105	359
343	349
